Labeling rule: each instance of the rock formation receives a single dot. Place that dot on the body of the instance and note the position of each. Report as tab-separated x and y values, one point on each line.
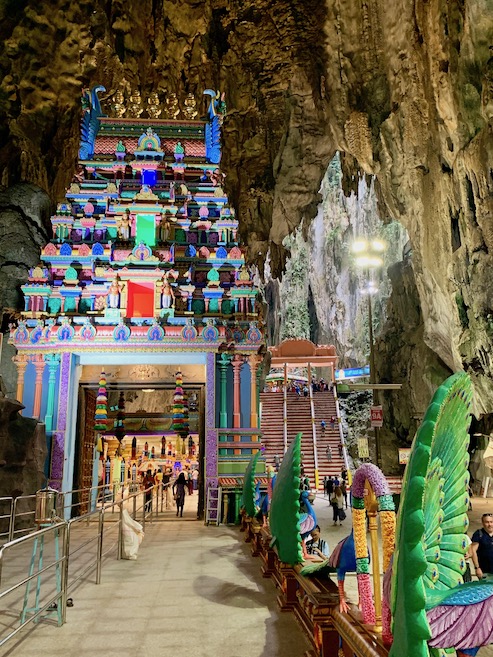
22	451
402	90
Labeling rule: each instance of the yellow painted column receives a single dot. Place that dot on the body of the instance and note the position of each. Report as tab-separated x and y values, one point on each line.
39	364
21	362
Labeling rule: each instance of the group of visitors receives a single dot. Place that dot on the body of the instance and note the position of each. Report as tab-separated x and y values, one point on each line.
321	385
300	388
185	483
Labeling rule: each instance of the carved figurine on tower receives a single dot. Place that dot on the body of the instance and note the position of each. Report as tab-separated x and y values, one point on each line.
114	292
167	294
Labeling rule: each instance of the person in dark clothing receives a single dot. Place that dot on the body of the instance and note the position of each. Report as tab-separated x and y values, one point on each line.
482	547
148	483
179	488
330	487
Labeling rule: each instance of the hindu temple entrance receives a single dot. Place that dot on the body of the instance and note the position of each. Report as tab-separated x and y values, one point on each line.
141	430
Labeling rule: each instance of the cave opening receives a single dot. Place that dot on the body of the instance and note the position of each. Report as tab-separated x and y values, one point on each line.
455	231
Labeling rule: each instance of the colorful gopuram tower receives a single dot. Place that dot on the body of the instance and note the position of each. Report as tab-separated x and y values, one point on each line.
143	267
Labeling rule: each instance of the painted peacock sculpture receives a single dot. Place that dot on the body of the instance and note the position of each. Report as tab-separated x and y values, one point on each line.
433	612
291	515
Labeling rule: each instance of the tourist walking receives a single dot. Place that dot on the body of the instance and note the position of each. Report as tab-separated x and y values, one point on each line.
482	547
148	482
166	485
179	488
330	487
337	502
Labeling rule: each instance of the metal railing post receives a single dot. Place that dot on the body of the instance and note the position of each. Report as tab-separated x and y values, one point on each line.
119	554
143	510
99	554
64	575
14	511
12	520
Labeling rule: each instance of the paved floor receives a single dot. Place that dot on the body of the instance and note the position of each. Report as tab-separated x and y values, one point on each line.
193	589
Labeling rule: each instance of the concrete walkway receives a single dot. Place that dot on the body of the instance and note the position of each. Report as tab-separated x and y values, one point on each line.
193	589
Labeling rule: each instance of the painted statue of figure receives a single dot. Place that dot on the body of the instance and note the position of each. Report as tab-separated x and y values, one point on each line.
153	452
146	448
114	293
164	228
134	448
124	228
172	191
167	294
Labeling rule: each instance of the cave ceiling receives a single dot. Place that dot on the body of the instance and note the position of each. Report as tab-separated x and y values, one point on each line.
403	89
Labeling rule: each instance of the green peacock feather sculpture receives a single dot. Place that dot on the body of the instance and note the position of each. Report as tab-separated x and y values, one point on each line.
433	612
285	506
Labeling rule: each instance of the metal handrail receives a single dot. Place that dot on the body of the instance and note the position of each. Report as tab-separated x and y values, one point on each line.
21	514
60	597
5	516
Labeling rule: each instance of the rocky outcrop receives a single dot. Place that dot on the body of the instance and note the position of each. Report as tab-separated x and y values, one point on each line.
22	451
403	90
24	212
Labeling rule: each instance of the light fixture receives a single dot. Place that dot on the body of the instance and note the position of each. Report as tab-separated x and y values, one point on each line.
148	389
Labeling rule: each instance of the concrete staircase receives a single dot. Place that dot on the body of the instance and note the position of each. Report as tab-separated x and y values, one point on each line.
299	419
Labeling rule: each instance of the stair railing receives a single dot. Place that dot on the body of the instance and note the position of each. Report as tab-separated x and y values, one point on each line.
341	433
314	434
285	415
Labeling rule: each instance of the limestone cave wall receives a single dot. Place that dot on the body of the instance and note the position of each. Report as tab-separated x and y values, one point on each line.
402	90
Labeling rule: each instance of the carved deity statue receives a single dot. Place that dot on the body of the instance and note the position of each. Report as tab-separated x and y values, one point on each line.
124	227
164	228
167	294
171	109
135	108
154	110
118	104
190	110
114	292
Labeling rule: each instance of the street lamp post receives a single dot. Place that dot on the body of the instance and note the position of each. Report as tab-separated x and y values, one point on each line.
369	256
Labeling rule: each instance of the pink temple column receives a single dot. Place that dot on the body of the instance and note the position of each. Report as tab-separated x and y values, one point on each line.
237	364
21	364
39	364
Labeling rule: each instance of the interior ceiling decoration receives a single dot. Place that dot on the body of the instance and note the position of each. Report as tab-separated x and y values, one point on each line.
404	90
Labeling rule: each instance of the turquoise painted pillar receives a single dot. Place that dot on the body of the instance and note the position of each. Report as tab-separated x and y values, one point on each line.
224	361
258	373
53	361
